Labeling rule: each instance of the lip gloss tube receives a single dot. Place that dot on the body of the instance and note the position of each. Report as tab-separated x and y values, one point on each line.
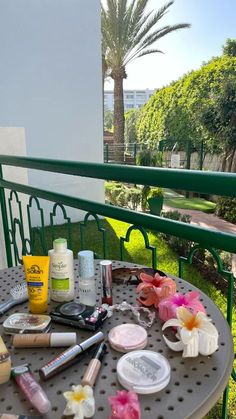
106	279
43	340
31	389
94	366
68	357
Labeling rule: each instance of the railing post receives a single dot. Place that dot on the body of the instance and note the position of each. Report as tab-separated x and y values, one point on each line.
5	223
106	153
188	161
201	156
135	152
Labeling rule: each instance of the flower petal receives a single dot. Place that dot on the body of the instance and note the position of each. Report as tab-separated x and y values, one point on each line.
184	315
146	278
171	322
175	346
192	348
208	344
187	335
89	407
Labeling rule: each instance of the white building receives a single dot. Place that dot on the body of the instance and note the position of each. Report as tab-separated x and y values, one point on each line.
133	99
50	91
51	86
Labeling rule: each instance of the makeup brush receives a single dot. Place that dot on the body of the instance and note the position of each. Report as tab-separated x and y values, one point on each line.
19	294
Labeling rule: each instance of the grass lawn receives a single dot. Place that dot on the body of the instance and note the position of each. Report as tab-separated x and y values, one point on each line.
199	204
135	252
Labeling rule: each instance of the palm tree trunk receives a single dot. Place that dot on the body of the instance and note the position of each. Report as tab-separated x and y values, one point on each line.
118	75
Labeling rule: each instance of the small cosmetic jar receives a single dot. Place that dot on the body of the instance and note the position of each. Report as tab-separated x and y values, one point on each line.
143	372
127	337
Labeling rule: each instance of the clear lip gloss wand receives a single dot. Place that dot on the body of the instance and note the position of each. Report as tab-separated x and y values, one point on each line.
31	389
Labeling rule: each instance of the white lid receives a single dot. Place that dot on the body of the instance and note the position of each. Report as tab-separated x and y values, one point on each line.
144	372
127	337
63	339
86	263
60	245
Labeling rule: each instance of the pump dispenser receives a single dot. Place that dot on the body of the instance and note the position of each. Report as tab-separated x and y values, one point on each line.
61	271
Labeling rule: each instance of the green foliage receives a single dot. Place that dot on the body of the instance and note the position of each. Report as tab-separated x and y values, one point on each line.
108	120
122	195
175	112
219	117
155	192
130	125
230	47
199	204
181	246
148	157
226	209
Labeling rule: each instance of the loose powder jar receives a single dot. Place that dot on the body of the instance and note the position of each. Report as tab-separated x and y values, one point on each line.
143	372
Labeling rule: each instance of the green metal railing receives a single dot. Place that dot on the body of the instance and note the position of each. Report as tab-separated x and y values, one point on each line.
215	183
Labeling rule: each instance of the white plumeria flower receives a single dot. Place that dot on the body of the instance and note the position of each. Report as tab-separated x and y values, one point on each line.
80	402
196	333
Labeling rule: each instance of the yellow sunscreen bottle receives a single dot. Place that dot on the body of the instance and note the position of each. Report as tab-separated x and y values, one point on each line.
36	273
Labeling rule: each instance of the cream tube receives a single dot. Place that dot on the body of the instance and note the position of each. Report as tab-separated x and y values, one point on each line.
44	340
37	272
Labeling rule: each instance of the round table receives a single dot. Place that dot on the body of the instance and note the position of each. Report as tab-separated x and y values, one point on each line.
195	385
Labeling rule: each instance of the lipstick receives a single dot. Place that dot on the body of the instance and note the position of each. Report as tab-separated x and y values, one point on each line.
94	366
69	357
106	279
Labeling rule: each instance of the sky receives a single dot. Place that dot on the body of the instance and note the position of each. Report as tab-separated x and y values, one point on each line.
213	21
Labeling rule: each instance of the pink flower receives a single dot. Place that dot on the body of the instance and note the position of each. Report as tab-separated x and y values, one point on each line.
154	289
125	405
168	306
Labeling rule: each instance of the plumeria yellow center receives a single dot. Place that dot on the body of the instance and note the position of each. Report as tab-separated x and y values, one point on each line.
78	396
191	323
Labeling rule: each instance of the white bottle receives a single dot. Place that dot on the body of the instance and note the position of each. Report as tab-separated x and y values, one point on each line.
61	272
87	285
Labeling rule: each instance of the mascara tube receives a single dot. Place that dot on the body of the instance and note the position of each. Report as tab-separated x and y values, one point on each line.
68	357
94	366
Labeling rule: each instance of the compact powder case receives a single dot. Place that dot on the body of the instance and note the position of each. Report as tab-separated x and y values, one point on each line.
26	323
127	337
144	372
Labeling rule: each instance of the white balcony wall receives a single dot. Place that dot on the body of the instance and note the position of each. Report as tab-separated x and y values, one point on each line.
51	85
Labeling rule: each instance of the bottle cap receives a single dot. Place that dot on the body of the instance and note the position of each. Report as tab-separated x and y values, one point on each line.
86	263
60	245
63	339
144	372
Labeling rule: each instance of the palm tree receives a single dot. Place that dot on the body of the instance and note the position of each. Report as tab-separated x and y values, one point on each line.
128	33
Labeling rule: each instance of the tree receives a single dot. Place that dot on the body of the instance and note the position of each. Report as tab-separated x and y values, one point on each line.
130	134
219	118
128	32
108	120
230	47
176	111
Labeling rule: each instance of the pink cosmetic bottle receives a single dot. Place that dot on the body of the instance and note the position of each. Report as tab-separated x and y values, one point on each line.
31	389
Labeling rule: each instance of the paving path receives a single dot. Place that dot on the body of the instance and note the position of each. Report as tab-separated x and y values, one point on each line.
206	220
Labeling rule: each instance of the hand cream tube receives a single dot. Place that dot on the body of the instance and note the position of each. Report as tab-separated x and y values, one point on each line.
37	272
